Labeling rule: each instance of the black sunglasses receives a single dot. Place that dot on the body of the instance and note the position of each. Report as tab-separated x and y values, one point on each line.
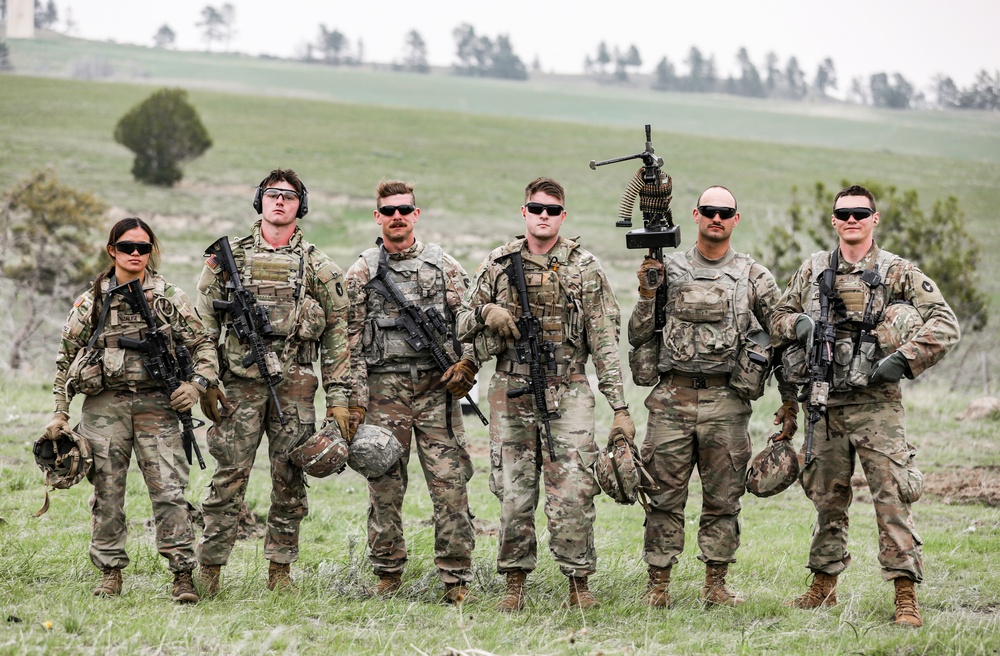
859	213
129	247
390	210
709	211
538	208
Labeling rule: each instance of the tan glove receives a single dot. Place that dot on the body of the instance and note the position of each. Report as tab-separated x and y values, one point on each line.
460	377
210	402
650	274
342	416
185	395
357	417
786	418
500	320
57	426
623	423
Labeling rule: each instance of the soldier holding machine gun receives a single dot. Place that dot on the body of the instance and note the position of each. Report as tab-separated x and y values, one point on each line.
283	304
401	328
541	314
129	404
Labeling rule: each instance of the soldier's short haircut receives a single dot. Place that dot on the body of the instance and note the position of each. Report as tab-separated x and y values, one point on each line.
388	188
735	206
546	186
284	175
855	190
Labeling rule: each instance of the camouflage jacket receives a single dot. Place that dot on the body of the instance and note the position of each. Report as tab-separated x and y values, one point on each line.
587	310
902	282
174	312
442	282
317	326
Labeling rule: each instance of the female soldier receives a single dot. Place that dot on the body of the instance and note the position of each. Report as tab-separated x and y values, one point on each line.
125	409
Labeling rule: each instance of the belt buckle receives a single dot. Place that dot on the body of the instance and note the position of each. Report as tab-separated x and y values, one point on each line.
699	383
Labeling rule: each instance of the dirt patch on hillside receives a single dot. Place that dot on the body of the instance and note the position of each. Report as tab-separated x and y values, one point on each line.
955	485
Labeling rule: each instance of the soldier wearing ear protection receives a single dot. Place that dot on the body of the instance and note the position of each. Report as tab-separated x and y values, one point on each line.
305	296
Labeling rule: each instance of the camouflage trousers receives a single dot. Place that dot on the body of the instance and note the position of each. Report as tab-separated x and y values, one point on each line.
518	455
875	433
706	428
406	409
115	423
234	444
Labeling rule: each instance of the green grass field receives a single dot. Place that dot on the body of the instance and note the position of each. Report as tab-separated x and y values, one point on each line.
470	146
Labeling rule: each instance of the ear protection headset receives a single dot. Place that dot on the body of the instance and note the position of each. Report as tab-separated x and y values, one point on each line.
258	199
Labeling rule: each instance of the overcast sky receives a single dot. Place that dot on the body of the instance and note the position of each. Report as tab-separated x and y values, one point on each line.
918	38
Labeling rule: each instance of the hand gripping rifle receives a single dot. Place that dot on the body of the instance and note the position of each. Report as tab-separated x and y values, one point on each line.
824	337
249	320
159	362
531	349
418	325
654	188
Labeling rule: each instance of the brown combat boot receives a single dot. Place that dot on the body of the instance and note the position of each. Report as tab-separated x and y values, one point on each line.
579	594
184	592
907	610
513	599
211	579
279	576
822	592
457	593
657	593
715	592
388	584
111	583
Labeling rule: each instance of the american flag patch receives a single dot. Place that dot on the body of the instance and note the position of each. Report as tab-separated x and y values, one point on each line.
79	302
211	262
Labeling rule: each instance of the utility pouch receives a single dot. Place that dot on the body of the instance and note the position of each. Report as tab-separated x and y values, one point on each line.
795	364
750	374
642	362
85	375
859	372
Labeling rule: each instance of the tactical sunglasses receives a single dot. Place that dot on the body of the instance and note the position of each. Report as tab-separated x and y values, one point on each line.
390	210
859	213
538	208
287	194
709	211
129	247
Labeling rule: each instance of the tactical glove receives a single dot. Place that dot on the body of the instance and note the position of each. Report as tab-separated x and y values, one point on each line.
56	427
650	274
623	423
460	377
889	369
357	417
342	416
185	395
210	401
786	418
804	326
500	320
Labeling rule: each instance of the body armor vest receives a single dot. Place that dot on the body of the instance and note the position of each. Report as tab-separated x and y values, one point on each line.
276	278
421	280
123	368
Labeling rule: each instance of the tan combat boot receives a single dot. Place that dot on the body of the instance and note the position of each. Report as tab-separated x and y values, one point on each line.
715	592
388	584
907	610
279	576
579	594
657	593
457	593
513	599
211	579
184	592
111	583
822	592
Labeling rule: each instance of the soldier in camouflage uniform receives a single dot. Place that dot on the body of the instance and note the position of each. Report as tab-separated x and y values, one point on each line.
570	295
865	411
403	390
305	294
712	362
126	410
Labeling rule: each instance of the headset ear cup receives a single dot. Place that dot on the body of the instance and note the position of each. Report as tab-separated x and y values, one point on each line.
258	201
303	203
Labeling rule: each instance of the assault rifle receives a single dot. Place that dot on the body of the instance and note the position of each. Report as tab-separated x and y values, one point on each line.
824	337
654	188
249	320
419	325
159	362
531	349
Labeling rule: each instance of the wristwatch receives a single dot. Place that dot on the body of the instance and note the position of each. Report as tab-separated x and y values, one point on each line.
200	380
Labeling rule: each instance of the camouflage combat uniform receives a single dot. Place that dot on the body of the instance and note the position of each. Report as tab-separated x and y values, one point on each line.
126	410
306	297
866	420
570	295
401	391
700	408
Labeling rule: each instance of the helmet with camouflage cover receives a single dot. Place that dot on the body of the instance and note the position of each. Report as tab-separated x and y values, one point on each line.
617	471
64	461
373	451
774	469
322	453
900	322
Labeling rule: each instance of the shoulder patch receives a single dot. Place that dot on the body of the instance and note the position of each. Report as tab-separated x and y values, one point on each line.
79	301
927	286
